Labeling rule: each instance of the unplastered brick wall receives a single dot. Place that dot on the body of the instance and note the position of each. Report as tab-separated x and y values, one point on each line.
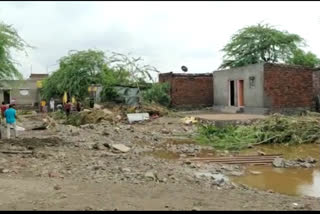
192	90
288	86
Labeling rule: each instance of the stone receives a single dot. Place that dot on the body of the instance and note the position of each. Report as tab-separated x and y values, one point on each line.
278	162
306	165
105	133
261	153
311	160
96	146
195	209
107	145
151	175
165	131
107	111
125	170
255	172
120	147
118	117
57	187
4	170
236	173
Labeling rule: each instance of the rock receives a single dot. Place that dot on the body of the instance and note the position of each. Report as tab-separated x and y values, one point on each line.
255	172
57	187
164	180
236	173
278	162
105	133
183	155
306	165
261	153
125	170
96	146
120	147
107	145
165	131
270	191
311	160
151	174
118	117
4	170
195	209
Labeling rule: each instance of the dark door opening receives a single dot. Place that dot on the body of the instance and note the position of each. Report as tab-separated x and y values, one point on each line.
6	96
232	95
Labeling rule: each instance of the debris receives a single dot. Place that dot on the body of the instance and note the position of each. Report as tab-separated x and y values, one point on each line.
261	153
120	147
189	120
106	111
97	106
137	117
306	165
278	162
125	170
15	152
311	160
255	172
151	174
57	187
118	117
165	131
4	170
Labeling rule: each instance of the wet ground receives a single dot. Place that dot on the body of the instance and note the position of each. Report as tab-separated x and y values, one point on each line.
300	181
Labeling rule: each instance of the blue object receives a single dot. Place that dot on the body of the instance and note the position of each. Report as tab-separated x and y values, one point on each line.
10	115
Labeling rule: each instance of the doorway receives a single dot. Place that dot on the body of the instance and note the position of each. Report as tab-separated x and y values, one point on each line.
232	93
6	96
240	93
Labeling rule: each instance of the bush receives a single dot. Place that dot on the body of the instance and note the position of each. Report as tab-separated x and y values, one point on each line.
158	93
108	94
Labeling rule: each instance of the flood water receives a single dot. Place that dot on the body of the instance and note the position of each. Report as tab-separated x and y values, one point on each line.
290	181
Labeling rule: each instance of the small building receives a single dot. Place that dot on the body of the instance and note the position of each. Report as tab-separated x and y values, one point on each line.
265	88
189	90
22	92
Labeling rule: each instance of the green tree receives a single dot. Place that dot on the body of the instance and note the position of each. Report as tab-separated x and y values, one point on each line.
76	73
9	40
260	43
305	59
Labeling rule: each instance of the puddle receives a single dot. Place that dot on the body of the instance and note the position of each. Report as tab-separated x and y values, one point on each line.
298	181
289	152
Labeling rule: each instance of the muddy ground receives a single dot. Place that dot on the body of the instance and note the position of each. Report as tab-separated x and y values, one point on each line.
76	168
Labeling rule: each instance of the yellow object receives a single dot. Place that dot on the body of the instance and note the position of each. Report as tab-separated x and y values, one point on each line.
92	88
189	120
39	84
43	103
65	98
73	100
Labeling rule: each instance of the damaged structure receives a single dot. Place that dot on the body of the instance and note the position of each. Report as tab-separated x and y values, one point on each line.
189	90
24	93
265	88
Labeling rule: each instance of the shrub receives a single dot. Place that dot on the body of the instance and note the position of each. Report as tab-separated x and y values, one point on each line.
158	93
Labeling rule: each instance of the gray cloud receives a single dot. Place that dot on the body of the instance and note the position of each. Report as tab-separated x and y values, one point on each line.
166	34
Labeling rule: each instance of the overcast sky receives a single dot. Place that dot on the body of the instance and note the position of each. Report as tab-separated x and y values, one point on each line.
166	35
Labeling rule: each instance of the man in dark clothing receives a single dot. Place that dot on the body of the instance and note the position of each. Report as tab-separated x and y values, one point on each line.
67	107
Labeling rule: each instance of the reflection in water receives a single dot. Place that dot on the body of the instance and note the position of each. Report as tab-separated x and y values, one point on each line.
287	181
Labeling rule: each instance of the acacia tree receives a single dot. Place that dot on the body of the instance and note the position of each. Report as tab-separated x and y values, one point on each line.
9	39
260	43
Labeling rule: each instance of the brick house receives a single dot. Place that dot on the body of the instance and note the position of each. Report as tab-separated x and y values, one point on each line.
265	88
189	90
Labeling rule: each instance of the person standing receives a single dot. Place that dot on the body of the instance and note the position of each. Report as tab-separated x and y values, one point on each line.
52	104
11	116
3	109
67	107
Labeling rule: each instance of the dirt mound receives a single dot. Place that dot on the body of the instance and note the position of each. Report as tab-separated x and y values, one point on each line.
89	117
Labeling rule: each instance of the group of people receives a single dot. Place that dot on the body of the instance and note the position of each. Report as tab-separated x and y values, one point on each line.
9	114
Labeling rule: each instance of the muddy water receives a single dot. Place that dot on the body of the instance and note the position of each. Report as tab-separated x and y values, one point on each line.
289	152
299	181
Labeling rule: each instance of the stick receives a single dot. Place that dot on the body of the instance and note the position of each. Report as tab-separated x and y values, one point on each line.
16	152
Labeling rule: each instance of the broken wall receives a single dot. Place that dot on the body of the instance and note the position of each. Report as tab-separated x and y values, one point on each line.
189	90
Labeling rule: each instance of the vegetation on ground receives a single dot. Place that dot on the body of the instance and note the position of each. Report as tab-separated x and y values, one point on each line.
275	129
158	93
264	43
